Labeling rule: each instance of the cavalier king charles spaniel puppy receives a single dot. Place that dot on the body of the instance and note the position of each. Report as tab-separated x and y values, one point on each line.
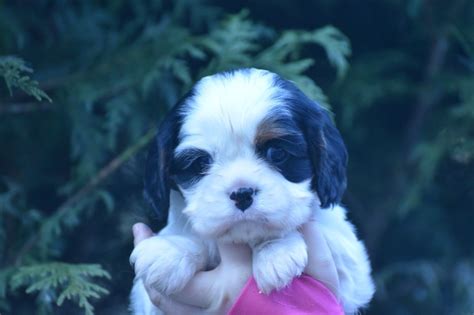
247	157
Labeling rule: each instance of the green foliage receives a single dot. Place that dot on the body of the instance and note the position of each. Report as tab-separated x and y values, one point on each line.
71	281
389	69
411	111
241	43
5	275
15	73
405	107
109	96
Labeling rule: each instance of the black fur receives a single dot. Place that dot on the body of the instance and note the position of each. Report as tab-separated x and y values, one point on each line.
158	180
297	165
190	166
326	148
324	154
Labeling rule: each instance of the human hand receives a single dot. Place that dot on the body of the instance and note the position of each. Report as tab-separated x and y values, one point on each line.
321	265
208	292
214	292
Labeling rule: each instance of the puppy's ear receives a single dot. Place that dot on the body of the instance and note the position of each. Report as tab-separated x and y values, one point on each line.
157	180
326	148
328	155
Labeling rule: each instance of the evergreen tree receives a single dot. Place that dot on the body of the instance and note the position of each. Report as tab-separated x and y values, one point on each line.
72	133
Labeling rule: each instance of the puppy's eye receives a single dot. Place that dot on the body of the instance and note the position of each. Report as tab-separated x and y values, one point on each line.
200	165
277	155
190	166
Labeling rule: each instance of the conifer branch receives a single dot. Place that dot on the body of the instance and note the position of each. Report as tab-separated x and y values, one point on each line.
91	185
15	73
427	97
73	281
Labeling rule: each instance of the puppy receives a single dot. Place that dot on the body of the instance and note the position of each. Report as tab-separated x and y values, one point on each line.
247	157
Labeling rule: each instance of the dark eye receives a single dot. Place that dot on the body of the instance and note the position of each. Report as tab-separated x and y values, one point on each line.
190	166
200	165
277	155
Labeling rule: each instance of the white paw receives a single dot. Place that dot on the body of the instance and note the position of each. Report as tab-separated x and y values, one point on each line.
167	263
277	262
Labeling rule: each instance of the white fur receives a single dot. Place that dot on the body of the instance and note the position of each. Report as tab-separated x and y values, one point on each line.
277	261
224	113
180	258
221	107
222	119
140	303
279	207
356	287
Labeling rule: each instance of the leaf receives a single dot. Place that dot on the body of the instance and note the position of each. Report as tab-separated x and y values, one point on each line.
337	47
15	73
241	43
72	282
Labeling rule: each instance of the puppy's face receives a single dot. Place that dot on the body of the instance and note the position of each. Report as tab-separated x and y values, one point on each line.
251	154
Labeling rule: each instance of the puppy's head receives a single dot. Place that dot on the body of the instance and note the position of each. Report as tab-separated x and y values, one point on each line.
251	154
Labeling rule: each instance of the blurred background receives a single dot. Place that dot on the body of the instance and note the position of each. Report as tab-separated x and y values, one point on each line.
84	83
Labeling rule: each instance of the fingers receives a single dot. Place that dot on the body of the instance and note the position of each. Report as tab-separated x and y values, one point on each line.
188	301
170	306
141	232
321	264
200	290
197	295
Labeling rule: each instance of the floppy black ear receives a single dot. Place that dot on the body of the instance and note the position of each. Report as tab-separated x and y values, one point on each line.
326	148
328	155
158	163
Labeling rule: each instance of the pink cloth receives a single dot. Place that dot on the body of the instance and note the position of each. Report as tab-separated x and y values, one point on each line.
304	295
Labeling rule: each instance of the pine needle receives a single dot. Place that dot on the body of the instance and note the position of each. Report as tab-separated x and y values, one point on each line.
70	281
15	73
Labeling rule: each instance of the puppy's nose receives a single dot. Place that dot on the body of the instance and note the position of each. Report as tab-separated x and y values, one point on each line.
242	197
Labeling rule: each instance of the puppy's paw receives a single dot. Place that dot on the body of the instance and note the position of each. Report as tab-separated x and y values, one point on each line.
167	263
277	262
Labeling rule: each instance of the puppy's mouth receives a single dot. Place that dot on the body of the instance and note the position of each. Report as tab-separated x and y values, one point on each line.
249	219
248	231
252	215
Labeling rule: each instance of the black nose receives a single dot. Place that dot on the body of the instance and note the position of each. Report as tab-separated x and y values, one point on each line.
242	197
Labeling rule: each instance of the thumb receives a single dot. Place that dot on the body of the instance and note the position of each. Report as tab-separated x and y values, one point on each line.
321	265
141	232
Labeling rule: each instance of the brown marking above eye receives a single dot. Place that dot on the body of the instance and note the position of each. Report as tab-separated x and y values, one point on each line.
271	128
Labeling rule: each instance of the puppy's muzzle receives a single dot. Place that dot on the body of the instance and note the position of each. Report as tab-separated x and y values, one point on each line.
243	197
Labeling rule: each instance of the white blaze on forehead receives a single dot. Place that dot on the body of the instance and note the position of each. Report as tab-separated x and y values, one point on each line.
227	108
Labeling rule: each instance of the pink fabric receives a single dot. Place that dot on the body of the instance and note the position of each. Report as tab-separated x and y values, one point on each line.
304	295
